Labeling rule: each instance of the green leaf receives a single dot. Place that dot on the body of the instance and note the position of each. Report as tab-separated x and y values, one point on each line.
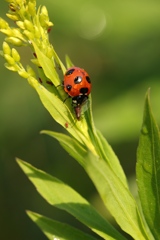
61	65
64	197
111	159
47	65
116	197
115	194
52	103
56	230
68	62
148	170
103	148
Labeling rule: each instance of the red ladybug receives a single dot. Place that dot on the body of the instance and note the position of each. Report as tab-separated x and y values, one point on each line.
78	86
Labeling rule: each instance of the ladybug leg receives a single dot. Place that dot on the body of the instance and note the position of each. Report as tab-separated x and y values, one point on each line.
60	85
66	98
77	110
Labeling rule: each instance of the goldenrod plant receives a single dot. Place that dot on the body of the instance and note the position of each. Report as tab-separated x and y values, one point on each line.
83	142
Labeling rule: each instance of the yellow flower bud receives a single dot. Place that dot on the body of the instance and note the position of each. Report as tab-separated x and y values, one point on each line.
6	48
50	24
9	59
31	71
17	33
11	68
28	34
15	55
28	25
32	8
44	11
15	41
8	31
12	17
37	32
43	17
3	24
23	73
36	62
20	24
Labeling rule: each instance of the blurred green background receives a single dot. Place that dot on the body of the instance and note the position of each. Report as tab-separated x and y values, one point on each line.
118	43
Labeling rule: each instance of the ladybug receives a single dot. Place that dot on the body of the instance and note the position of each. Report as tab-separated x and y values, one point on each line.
77	85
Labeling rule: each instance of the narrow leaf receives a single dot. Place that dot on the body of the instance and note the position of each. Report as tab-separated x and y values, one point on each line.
103	148
111	158
116	197
115	194
148	170
56	230
61	65
64	197
69	62
47	65
53	104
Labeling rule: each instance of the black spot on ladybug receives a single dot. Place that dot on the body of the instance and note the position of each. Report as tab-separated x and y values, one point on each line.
69	87
83	90
78	80
88	79
70	71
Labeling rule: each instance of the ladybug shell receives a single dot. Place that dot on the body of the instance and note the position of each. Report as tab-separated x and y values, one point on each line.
77	82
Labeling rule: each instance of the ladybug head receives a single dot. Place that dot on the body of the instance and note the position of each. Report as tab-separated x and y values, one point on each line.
79	100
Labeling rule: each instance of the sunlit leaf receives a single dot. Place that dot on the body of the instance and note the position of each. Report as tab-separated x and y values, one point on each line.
47	65
148	170
69	62
64	197
58	231
114	193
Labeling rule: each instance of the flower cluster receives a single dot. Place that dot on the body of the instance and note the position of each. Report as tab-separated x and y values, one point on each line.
31	27
32	30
